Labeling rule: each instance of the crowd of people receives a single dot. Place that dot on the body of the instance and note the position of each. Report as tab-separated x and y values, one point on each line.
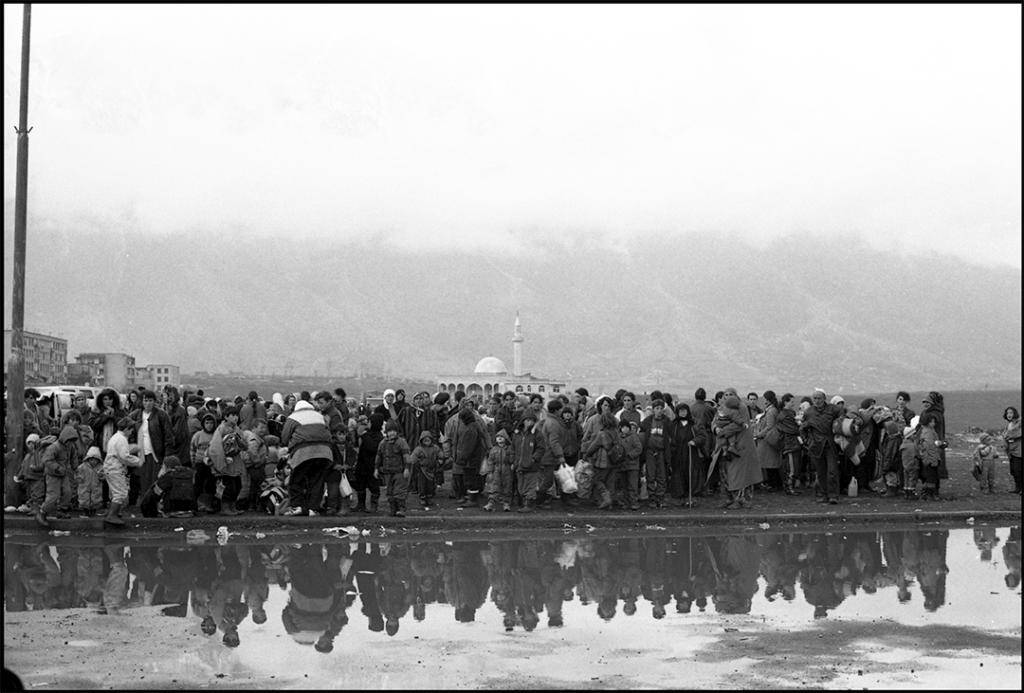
525	580
174	454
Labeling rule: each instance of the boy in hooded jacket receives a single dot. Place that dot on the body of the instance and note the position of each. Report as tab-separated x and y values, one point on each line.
499	480
32	471
395	465
89	476
58	464
424	463
984	458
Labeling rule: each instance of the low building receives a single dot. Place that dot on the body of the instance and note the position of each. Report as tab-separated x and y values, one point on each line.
491	376
45	357
158	376
107	369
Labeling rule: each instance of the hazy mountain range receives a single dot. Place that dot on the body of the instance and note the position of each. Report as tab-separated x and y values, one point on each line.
670	311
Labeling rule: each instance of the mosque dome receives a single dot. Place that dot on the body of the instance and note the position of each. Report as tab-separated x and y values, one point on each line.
490	365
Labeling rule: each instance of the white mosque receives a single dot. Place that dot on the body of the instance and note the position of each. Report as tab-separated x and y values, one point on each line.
491	376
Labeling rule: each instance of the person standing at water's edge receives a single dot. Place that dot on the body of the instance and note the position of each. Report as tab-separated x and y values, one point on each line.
1011	440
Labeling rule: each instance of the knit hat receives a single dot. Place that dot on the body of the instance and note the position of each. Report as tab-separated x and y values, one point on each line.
985	439
391	425
838	399
442	398
171	461
528	414
94	452
32	438
817	390
426	434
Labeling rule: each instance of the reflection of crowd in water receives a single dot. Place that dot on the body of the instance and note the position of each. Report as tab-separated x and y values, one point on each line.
528	581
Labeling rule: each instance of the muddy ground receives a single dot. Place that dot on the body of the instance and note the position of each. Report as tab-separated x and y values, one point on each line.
103	651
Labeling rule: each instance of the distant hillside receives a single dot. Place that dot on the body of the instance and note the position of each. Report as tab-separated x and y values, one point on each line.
673	312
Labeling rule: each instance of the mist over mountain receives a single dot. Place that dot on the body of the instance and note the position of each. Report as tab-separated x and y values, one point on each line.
672	311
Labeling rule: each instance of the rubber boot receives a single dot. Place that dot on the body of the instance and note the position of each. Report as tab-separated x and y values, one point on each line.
372	507
229	509
527	507
41	519
393	504
360	507
606	501
399	508
735	503
114	515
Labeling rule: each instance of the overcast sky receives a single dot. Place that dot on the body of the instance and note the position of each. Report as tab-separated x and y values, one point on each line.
440	126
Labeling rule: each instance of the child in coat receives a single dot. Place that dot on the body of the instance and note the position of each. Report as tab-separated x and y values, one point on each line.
629	471
89	478
984	458
526	456
32	473
206	483
911	462
120	456
499	481
424	464
393	464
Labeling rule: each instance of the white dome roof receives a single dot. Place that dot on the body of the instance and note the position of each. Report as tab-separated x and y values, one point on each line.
490	364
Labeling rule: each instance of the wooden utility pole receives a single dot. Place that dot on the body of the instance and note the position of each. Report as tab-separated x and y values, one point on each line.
16	364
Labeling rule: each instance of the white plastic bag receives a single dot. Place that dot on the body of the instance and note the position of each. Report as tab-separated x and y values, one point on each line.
346	487
566	479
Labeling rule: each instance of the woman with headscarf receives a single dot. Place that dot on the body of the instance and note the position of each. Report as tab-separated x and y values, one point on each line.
387	408
735	449
687	468
1011	441
276	408
933	404
769	456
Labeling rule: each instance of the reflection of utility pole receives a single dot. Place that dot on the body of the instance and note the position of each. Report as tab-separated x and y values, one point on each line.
16	365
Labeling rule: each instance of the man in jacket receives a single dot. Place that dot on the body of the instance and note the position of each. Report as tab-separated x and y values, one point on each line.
309	452
816	431
182	444
155	436
553	434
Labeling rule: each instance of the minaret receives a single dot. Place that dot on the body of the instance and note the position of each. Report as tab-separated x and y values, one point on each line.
517	348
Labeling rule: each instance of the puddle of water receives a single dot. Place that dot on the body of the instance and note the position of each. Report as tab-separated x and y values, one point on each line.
629	611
